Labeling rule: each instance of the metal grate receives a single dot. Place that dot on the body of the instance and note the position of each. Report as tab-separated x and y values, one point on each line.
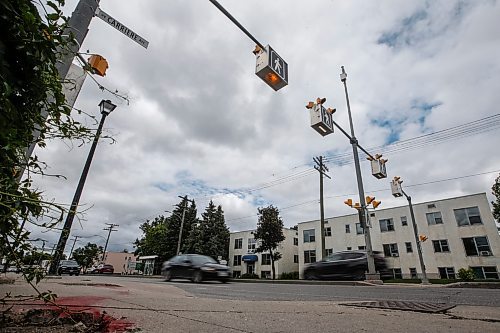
404	306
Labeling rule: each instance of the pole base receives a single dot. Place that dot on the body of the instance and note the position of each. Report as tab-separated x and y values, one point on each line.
373	278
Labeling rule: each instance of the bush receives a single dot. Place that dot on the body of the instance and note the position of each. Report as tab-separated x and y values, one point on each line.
249	276
289	276
466	274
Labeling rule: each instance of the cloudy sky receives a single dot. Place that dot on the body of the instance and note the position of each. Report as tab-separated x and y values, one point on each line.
199	122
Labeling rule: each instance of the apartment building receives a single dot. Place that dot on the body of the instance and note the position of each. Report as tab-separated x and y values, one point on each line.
461	233
244	260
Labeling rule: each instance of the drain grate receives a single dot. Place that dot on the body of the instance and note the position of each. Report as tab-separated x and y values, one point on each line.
404	306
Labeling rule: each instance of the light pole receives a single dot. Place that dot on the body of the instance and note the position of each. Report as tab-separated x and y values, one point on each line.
372	274
106	108
110	228
185	199
398	191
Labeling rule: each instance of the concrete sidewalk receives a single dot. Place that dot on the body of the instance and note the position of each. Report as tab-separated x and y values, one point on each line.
166	308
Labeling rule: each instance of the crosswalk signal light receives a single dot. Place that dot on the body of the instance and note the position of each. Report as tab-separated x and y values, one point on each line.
375	204
348	202
357	205
423	238
369	199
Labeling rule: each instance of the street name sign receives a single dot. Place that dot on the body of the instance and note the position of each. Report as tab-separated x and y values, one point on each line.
121	28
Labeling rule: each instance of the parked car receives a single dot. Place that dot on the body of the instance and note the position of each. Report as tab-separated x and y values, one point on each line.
68	267
196	268
104	269
345	265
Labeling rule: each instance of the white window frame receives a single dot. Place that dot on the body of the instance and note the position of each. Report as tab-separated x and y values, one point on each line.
443	243
468	215
434	218
386	225
311	235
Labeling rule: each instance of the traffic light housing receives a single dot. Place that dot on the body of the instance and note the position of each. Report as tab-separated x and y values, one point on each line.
396	189
369	199
98	64
270	67
348	202
422	238
321	118
375	203
379	170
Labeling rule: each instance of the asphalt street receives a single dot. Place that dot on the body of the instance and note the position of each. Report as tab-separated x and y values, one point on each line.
336	293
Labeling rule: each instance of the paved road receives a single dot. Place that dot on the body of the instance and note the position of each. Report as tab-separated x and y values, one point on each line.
336	293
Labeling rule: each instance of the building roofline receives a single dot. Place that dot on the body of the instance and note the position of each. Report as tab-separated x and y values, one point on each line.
402	206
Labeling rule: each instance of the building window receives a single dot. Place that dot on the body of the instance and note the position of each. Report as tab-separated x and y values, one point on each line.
485	272
236	274
391	250
251	245
446	272
397	273
309	236
359	230
468	216
362	247
309	256
434	218
347	228
386	225
238	243
409	249
413	273
266	259
237	260
295	241
475	246
265	274
349	248
441	245
329	252
328	231
431	206
404	221
295	258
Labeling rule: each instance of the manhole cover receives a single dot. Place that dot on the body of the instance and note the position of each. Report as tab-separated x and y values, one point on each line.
404	306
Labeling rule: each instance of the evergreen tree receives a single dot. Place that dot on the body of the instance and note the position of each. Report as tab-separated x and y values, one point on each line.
174	226
269	233
496	204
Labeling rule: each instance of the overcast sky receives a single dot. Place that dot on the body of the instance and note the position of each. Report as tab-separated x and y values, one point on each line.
201	123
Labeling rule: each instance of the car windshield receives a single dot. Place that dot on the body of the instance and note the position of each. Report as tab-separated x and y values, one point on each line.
69	263
200	260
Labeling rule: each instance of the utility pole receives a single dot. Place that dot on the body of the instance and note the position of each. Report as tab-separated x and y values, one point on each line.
322	169
185	199
110	229
362	216
72	247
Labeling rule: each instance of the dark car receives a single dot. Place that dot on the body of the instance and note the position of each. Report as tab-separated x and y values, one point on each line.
346	265
68	267
196	268
104	269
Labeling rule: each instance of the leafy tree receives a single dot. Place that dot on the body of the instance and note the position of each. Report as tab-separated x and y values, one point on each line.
174	225
31	97
211	235
496	204
86	256
35	257
269	233
154	240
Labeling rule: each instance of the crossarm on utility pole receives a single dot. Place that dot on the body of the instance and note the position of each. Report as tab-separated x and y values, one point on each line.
242	28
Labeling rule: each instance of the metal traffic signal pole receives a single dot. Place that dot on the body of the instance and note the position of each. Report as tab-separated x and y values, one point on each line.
425	280
362	216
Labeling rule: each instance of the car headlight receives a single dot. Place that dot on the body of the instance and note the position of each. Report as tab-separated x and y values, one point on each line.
208	269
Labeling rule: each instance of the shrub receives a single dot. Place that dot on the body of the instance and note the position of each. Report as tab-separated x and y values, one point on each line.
289	276
466	274
249	276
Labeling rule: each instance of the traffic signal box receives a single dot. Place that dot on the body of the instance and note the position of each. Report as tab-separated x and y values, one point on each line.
378	166
271	68
422	238
396	188
98	64
321	118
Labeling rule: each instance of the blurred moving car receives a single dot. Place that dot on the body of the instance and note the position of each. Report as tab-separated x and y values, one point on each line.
196	268
345	265
68	267
104	269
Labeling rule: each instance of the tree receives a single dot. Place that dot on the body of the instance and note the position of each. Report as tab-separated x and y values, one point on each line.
269	233
154	240
496	204
31	88
86	256
211	235
174	225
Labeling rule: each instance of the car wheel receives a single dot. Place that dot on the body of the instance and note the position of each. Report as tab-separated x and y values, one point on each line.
70	274
168	275
59	272
197	277
223	281
310	275
360	275
77	274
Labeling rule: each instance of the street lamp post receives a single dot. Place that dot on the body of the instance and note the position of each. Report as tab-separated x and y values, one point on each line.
372	274
398	191
106	108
